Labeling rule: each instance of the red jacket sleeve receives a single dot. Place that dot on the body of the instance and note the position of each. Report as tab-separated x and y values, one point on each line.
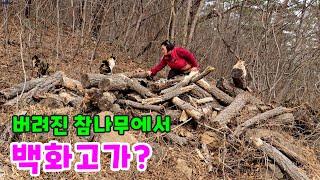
158	67
188	56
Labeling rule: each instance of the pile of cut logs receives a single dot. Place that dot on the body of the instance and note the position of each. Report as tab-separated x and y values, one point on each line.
184	98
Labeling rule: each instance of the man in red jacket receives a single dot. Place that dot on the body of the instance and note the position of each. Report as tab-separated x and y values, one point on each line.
180	60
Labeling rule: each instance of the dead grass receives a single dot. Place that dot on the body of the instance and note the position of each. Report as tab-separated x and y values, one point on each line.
230	159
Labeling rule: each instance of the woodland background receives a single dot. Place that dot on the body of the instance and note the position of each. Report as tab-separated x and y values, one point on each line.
279	40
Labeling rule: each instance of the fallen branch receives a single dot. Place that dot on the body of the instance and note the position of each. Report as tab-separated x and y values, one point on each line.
48	84
233	109
188	108
143	91
199	92
163	84
289	146
134	97
141	106
17	89
191	78
259	118
168	95
215	92
285	164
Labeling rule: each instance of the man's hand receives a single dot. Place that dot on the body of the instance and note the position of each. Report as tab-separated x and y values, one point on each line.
149	76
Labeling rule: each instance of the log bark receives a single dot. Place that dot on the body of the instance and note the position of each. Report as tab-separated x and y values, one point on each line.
134	97
289	146
191	78
52	101
137	74
185	81
286	118
116	109
72	100
206	97
215	92
199	92
259	118
48	84
143	91
92	80
228	88
96	98
233	109
190	110
168	95
285	164
160	85
299	154
114	82
204	100
141	106
106	101
206	109
191	100
17	89
72	84
93	96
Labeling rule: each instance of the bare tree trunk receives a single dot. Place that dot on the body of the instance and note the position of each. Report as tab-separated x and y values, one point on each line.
194	22
171	26
73	16
58	28
5	5
84	22
27	9
138	22
128	25
185	29
173	23
97	18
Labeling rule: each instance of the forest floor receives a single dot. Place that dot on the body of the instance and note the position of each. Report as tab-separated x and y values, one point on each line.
170	160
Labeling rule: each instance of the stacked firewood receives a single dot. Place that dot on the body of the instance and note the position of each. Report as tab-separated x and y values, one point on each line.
185	98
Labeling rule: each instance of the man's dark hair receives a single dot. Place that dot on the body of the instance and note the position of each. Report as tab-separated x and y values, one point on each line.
168	44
